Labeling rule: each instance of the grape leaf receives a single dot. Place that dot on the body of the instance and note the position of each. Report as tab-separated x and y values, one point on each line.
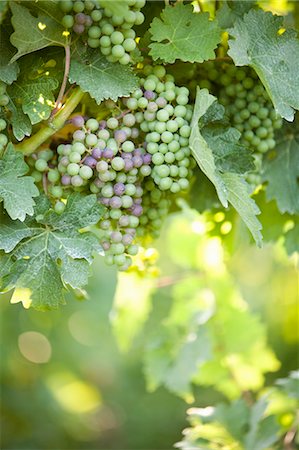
230	187
16	190
21	125
34	33
46	255
256	42
3	9
290	385
34	90
281	171
200	149
182	34
8	71
230	156
236	425
292	239
231	11
239	197
101	78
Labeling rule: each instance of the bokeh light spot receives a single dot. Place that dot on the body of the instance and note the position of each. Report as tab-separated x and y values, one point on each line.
35	347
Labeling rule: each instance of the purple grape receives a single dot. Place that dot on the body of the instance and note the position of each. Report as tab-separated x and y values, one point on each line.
137	161
80	18
137	201
78	121
124	221
115	202
90	162
137	152
106	245
108	153
66	180
96	153
127	156
119	188
102	124
105	201
78	28
88	21
161	102
116	236
149	95
128	165
137	210
147	158
127	239
120	136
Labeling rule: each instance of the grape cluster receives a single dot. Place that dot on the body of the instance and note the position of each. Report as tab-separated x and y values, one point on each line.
134	161
249	108
163	114
100	28
4	100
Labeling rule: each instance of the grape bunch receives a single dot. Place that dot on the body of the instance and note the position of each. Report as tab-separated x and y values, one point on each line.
249	108
4	100
100	28
134	161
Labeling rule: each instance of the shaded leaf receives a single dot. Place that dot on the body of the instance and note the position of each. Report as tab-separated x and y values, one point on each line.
230	155
8	71
256	42
101	78
230	11
34	33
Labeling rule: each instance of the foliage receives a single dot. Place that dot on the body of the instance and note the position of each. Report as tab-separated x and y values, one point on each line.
105	136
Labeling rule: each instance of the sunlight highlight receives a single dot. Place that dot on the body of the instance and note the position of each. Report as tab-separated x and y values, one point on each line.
35	347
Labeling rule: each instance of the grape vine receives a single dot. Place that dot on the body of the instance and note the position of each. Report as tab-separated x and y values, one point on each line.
121	119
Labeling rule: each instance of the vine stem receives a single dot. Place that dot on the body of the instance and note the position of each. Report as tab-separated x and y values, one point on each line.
64	81
29	145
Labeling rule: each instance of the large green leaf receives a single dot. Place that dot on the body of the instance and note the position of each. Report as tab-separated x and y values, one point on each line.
183	34
16	190
230	187
46	255
34	33
274	56
101	78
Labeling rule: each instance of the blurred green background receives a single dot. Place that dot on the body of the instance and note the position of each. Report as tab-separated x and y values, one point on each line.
66	385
